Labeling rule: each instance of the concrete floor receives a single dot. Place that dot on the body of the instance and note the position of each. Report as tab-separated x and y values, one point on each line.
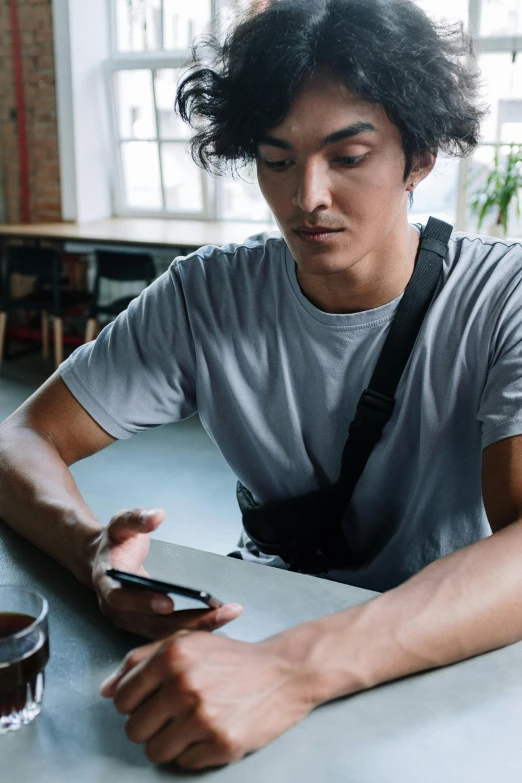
176	467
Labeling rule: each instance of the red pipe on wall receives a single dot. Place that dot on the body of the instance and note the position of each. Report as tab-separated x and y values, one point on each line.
20	113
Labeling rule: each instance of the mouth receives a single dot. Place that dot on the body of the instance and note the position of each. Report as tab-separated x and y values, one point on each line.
316	234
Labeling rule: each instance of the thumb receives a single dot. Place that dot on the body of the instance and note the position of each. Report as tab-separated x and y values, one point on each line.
128	524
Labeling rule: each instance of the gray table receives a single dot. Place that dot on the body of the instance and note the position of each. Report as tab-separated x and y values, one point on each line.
462	723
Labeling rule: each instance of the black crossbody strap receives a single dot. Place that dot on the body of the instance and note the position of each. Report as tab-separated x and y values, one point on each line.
376	403
310	532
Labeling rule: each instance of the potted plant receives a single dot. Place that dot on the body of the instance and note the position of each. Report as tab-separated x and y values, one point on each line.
501	187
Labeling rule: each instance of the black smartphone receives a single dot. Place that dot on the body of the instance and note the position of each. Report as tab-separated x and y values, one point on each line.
133	580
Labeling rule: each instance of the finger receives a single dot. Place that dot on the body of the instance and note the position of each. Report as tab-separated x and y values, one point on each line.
127	524
200	755
174	738
138	684
153	627
132	659
150	717
124	599
204	619
198	619
156	625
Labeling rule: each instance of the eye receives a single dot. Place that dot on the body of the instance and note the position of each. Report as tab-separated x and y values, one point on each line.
350	162
276	165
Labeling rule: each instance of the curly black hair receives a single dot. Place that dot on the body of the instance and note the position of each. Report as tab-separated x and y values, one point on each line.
387	52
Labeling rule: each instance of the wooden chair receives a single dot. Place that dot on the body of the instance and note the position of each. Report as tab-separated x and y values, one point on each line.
49	297
122	267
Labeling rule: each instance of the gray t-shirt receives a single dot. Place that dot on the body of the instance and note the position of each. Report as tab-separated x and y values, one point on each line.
227	332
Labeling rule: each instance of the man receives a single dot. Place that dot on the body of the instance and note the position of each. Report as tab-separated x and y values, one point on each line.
344	106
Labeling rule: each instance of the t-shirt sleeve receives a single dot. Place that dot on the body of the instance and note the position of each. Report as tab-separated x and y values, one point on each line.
500	411
141	370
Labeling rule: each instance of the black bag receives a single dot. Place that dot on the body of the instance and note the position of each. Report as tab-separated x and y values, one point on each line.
308	531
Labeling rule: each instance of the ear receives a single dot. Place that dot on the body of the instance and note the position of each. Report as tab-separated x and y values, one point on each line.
423	165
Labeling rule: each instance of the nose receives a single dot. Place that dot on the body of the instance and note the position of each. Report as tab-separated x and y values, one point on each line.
312	188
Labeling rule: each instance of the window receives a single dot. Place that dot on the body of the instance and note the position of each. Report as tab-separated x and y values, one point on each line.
151	42
156	177
157	174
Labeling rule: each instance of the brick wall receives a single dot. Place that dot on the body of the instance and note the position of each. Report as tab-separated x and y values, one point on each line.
36	41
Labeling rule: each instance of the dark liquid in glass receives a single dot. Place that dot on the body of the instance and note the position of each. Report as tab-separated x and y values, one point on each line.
18	678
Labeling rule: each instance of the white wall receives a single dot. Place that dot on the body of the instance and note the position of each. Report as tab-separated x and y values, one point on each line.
81	43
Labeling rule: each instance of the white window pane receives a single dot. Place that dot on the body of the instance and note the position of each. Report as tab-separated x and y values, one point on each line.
136	118
481	164
181	179
501	17
141	175
446	10
183	20
138	25
170	125
502	90
437	194
241	198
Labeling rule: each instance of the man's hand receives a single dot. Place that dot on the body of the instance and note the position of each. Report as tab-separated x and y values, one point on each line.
205	700
124	544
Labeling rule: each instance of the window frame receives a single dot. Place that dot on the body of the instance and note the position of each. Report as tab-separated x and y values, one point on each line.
212	187
161	59
121	209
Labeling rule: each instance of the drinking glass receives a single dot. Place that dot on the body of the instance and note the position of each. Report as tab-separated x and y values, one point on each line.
24	652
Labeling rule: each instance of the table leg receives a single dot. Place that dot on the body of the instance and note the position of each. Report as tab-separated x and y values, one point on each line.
58	341
91	330
3	321
45	334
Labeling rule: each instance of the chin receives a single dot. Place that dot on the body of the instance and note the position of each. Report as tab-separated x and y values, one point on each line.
324	262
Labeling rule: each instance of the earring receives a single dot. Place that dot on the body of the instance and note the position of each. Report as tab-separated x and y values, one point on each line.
413	184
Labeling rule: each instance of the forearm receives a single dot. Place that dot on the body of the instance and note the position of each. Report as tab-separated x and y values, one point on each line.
462	605
40	500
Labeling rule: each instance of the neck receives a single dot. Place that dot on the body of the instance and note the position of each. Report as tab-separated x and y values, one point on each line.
372	281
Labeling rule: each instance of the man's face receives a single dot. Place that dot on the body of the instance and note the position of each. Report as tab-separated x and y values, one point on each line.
335	163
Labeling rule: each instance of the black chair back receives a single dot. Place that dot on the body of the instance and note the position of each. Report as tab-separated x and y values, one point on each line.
114	265
123	267
41	262
44	263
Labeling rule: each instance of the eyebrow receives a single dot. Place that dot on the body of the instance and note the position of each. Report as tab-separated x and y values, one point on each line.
344	133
